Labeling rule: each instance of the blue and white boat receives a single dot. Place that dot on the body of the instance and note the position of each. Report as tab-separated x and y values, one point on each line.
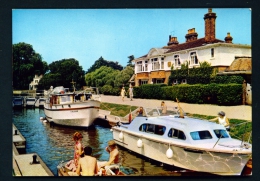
184	142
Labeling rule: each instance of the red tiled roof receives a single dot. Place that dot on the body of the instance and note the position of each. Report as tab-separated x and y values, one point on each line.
188	45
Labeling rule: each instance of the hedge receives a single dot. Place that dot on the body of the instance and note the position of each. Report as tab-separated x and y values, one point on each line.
220	94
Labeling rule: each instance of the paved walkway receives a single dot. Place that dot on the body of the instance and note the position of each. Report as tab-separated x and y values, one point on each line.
243	112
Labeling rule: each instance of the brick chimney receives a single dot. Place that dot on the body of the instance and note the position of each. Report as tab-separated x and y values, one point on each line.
172	41
228	38
210	21
192	35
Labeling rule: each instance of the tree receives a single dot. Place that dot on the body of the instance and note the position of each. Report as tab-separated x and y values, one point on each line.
62	72
102	76
129	63
124	76
26	64
101	62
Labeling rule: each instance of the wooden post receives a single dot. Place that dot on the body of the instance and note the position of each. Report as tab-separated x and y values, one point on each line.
244	93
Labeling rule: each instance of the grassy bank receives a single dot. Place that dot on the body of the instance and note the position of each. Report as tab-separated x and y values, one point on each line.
117	109
238	127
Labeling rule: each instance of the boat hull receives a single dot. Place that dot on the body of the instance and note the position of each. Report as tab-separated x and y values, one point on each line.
219	163
79	114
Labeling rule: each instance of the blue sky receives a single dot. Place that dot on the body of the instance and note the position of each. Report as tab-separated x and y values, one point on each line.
115	34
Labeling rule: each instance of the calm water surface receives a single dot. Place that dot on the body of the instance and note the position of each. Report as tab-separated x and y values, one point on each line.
54	144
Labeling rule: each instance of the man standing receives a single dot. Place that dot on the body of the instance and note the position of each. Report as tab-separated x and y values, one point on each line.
131	93
88	164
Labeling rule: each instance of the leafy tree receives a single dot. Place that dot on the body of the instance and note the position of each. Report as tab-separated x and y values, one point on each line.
102	76
62	72
129	63
26	64
101	62
108	79
124	77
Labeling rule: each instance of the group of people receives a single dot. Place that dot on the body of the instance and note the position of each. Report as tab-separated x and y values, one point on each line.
130	91
85	164
221	118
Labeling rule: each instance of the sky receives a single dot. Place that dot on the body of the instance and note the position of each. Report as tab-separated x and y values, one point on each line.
115	34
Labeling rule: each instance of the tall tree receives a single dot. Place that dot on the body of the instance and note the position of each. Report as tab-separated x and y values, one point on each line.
26	64
130	59
62	72
102	62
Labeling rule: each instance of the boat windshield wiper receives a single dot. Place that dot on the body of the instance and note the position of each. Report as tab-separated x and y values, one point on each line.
218	139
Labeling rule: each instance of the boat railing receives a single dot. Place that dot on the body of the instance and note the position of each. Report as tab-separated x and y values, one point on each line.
246	133
171	110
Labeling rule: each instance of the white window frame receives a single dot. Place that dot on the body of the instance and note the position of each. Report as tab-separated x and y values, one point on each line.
146	65
194	58
139	65
177	62
144	82
162	63
155	64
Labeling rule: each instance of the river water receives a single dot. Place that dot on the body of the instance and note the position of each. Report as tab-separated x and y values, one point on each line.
54	144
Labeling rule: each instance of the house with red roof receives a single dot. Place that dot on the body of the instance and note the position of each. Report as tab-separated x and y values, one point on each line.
155	67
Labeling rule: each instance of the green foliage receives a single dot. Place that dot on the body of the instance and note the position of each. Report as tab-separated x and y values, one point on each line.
149	91
200	75
227	79
62	72
118	109
107	90
102	62
129	63
108	79
26	64
221	94
101	76
124	76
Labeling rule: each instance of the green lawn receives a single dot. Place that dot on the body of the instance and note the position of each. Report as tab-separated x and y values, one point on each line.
118	109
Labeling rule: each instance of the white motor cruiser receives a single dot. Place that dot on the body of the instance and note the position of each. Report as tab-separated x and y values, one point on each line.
185	142
77	109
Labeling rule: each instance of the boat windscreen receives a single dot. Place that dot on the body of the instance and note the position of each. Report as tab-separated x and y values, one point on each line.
201	135
220	133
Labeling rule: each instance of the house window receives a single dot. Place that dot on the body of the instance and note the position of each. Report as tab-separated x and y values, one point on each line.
177	62
159	81
155	64
36	81
143	82
146	65
139	66
194	58
212	52
162	63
